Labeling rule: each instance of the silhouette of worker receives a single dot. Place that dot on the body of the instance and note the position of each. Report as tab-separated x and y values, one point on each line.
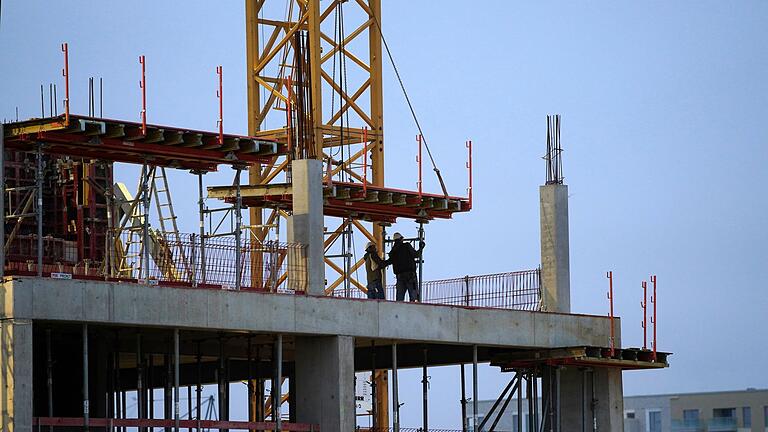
403	258
374	268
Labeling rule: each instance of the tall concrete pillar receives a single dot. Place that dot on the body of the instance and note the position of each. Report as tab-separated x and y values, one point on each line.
555	266
306	225
16	375
325	377
591	398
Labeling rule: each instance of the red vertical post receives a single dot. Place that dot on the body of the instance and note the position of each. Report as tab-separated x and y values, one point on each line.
653	319
65	73
365	160
143	86
644	305
418	160
469	167
220	95
609	275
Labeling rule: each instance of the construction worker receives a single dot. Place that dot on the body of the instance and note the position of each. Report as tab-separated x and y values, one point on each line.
403	258
374	268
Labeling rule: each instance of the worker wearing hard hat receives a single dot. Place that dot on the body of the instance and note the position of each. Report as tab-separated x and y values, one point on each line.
374	268
403	258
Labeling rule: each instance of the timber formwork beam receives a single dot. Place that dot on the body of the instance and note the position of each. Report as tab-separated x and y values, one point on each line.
120	141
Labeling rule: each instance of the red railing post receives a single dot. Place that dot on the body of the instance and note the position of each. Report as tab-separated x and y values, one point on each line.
418	160
365	160
65	73
469	167
143	86
653	319
609	275
220	95
644	306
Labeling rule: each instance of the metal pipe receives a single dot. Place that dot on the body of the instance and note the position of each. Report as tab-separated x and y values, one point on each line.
39	209
176	413
143	86
277	402
220	94
49	369
139	382
530	382
201	205
463	400
520	400
609	275
512	385
557	398
395	399
503	409
145	223
2	202
199	389
421	259
583	400
222	381
653	320
425	392
644	306
239	224
150	392
374	398
86	403
535	399
65	73
475	405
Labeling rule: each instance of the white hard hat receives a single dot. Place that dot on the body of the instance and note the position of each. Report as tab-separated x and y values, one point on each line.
397	236
370	245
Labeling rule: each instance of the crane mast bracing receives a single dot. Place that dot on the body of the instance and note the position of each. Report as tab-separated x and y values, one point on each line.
270	42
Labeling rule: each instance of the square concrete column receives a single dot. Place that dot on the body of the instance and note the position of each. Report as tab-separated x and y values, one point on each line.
325	380
591	398
16	375
306	225
555	266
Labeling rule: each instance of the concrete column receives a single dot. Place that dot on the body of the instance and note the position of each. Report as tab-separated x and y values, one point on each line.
555	266
306	225
16	375
325	375
592	398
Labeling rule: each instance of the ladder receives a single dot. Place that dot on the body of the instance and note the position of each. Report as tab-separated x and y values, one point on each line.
169	230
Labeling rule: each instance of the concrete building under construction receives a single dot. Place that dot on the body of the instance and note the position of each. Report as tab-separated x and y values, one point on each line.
103	296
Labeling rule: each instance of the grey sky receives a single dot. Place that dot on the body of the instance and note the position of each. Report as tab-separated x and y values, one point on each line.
664	107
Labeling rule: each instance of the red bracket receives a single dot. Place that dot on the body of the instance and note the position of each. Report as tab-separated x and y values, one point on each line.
220	95
469	167
143	86
365	160
644	306
653	319
609	275
65	73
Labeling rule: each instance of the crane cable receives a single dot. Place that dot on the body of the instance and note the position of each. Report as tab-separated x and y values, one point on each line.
410	106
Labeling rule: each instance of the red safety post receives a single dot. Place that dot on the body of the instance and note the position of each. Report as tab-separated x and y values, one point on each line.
653	318
644	306
365	160
65	73
469	167
143	86
220	95
609	275
418	160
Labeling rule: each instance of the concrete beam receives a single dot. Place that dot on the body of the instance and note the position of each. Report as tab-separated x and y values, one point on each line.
555	266
16	375
223	310
325	377
306	225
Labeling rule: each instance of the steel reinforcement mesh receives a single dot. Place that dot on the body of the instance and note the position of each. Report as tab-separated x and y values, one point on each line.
520	290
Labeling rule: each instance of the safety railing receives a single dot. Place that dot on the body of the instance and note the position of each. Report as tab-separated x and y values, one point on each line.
183	260
520	290
112	424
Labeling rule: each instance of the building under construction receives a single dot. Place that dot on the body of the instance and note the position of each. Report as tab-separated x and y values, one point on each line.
106	302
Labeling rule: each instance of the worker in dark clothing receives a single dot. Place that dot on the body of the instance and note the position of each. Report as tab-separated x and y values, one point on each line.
374	268
403	258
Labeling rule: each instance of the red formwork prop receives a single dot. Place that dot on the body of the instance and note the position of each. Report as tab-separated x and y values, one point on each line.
157	423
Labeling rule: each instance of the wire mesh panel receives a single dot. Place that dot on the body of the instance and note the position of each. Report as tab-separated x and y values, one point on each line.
520	290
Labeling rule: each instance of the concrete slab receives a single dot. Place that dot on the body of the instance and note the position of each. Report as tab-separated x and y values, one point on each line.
134	304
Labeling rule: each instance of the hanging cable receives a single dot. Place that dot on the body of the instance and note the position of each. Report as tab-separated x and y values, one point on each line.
410	106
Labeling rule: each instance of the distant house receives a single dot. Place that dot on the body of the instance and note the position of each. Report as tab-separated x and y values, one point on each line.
725	411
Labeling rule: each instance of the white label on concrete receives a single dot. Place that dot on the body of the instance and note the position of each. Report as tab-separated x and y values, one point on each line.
61	275
363	397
